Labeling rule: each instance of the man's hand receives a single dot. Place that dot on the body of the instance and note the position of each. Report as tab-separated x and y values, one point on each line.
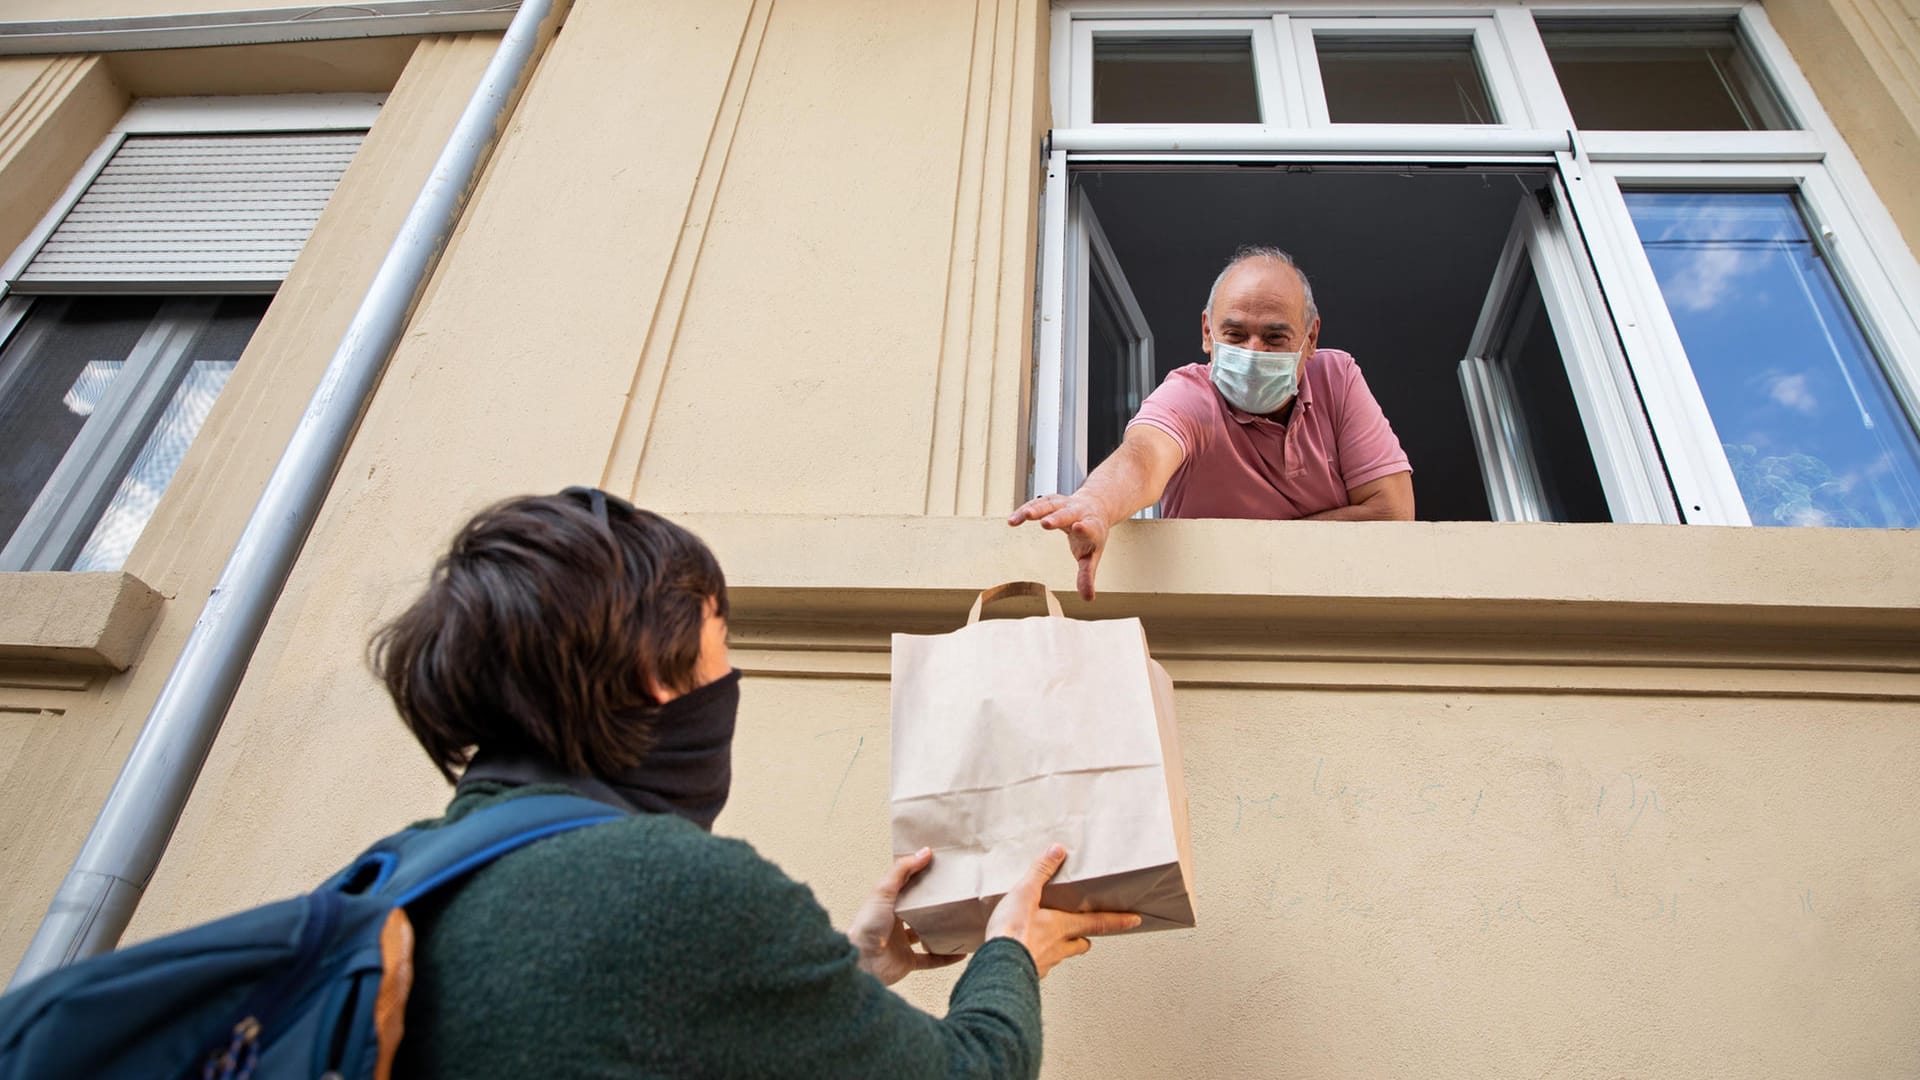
1131	479
1050	936
886	944
1084	522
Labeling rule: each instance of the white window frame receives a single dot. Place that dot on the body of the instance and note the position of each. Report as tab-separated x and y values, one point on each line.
1268	81
1489	53
1695	461
1092	257
1625	455
1627	357
57	523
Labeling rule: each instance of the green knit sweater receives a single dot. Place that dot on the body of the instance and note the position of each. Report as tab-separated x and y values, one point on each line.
646	947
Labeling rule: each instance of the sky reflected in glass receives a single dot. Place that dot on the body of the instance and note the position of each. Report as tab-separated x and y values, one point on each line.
1804	411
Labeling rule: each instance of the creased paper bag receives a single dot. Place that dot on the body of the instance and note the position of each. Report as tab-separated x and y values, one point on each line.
1013	734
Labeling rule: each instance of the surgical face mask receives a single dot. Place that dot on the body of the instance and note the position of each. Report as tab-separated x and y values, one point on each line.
1255	382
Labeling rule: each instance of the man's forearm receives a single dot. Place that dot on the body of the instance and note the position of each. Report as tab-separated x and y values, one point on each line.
1121	485
1389	498
1366	511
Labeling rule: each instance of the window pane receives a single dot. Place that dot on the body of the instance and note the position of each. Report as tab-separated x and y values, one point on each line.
1807	417
215	354
1424	80
1556	436
1174	81
53	373
1661	80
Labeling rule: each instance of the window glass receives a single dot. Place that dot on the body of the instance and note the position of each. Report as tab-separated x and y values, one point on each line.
1174	81
1406	80
1664	79
1808	419
54	372
214	355
1556	440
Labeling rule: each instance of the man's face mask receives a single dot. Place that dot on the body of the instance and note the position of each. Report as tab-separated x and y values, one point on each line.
1255	382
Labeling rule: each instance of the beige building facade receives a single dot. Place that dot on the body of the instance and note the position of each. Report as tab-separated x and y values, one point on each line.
1493	797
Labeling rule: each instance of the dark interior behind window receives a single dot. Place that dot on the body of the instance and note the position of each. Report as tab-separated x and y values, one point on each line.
1401	260
1171	80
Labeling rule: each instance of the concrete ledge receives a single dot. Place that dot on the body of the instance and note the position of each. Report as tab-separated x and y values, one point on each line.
91	621
1448	593
1440	562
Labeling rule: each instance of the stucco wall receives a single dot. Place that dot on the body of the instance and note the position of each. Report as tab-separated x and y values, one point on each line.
1454	814
64	732
1863	59
1467	799
53	113
1459	884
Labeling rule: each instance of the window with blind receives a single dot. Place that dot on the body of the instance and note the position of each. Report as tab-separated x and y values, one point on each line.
125	313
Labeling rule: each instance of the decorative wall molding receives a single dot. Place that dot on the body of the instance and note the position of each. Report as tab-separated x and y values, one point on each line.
316	22
1480	607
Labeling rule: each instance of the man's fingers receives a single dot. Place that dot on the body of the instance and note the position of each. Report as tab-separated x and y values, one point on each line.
1062	518
1037	508
1028	511
923	961
1083	924
1089	566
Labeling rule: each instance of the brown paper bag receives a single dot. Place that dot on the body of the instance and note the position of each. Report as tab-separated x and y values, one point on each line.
1013	734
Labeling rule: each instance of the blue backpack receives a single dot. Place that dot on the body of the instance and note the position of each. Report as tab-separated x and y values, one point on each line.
314	986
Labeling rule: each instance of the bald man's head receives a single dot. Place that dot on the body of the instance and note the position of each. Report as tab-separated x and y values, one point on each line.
1250	252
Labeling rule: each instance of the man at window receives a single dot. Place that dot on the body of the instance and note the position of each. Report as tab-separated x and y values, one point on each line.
1271	427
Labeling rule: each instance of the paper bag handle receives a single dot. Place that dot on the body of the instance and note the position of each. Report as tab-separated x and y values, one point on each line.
1015	588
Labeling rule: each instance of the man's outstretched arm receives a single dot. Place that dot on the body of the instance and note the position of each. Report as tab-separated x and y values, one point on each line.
1130	480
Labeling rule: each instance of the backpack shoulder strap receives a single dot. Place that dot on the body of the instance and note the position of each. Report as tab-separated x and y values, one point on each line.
411	864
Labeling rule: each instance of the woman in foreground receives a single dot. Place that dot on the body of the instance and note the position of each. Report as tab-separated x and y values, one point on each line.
573	643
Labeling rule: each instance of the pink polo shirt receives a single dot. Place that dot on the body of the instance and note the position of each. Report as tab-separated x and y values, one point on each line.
1243	466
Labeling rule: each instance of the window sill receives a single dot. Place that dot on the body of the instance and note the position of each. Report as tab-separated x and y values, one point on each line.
88	622
1612	608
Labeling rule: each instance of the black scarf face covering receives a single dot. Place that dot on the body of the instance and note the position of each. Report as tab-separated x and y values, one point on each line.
688	770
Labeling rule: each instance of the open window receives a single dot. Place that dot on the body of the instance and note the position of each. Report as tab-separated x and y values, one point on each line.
1555	423
1413	269
1787	379
1112	348
1522	226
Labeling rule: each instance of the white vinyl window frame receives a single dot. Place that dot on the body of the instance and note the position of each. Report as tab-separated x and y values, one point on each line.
1489	54
1269	82
1094	267
1625	456
58	523
1696	463
1628	372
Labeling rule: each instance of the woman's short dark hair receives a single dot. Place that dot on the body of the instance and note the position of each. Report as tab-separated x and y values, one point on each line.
539	627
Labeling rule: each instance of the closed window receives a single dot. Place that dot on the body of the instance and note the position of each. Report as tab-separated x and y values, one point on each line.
125	314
